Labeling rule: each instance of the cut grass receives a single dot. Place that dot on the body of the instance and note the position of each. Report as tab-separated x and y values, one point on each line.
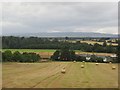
48	75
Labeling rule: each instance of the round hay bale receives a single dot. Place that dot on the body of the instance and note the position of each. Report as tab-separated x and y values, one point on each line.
63	71
82	66
74	61
96	63
83	61
110	62
113	67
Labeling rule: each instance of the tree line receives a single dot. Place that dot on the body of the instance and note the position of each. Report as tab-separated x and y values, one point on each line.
8	56
11	42
66	54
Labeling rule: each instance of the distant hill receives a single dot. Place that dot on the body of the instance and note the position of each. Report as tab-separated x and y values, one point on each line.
64	34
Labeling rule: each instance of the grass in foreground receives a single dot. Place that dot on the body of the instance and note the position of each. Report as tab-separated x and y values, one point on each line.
48	75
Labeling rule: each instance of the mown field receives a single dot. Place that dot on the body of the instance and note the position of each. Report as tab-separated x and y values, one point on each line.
48	75
93	42
101	43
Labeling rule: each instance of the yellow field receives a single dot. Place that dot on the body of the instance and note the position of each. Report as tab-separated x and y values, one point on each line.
48	75
101	43
93	42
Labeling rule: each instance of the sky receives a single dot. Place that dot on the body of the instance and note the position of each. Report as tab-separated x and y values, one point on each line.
36	17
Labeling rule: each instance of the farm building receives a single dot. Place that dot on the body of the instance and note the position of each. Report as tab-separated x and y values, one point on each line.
104	58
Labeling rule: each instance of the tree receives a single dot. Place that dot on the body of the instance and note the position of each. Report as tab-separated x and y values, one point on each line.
104	44
7	56
34	57
17	56
56	55
80	58
78	42
12	42
93	58
64	53
30	57
72	55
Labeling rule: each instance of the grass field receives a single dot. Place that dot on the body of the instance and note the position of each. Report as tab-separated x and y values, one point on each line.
51	51
31	50
47	53
48	75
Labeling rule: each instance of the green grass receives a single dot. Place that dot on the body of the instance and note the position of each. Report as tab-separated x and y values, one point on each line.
30	50
52	51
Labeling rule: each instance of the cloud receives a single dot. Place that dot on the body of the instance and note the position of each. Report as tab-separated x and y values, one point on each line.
60	17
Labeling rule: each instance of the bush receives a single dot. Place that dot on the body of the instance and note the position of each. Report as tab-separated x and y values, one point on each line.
81	58
30	57
17	56
7	56
96	59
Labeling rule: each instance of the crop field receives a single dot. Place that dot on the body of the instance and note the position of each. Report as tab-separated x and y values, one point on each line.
48	75
101	43
93	42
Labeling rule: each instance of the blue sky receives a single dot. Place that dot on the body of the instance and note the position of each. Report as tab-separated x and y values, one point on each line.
34	17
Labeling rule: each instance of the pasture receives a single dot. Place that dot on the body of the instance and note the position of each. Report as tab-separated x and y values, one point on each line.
49	52
30	50
48	75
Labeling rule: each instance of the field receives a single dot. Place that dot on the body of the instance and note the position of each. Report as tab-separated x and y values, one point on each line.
101	43
48	75
93	42
30	50
48	52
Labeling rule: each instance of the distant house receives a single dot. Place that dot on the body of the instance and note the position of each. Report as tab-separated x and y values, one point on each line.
108	58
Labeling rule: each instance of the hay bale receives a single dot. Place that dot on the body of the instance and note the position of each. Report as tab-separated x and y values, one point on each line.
63	71
113	67
82	66
96	63
83	61
74	61
110	62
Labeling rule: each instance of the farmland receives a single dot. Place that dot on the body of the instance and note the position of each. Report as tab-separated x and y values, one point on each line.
48	75
101	43
92	42
49	52
30	50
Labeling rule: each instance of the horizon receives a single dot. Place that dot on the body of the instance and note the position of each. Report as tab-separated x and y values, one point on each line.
65	34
